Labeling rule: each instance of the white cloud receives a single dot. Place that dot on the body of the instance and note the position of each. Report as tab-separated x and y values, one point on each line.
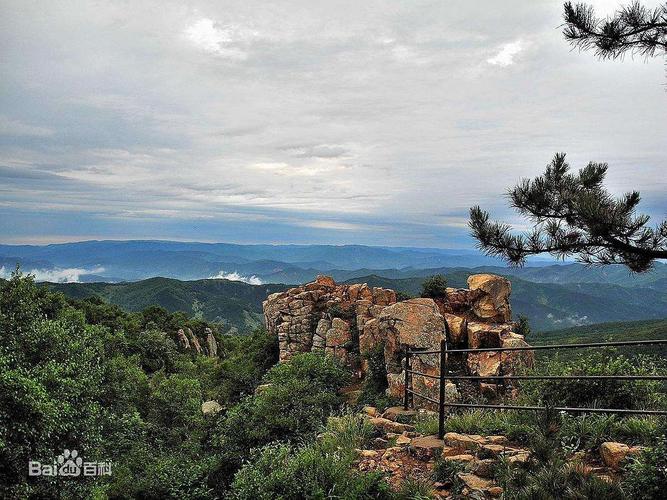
56	275
211	37
234	276
505	56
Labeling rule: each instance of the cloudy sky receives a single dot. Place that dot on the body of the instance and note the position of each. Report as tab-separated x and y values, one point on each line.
304	121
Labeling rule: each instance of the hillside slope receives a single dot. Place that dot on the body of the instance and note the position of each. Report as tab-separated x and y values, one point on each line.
233	303
548	305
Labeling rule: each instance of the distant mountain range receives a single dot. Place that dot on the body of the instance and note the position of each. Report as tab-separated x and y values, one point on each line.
126	273
135	260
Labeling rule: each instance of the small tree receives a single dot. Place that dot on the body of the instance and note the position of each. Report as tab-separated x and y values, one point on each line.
522	326
633	28
573	215
434	287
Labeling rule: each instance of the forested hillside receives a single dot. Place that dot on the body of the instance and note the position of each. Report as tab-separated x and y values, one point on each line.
239	305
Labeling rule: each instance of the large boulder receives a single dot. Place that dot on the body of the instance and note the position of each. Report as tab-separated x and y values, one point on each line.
614	454
415	324
492	297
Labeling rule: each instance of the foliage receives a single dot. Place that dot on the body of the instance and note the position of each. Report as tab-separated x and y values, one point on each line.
647	472
446	471
634	28
374	388
319	470
522	325
113	385
298	399
573	215
245	360
605	393
434	287
415	489
554	479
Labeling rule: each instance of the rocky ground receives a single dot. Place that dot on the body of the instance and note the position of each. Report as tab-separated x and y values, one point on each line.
402	453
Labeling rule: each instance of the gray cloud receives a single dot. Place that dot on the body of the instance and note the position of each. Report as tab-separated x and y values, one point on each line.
342	117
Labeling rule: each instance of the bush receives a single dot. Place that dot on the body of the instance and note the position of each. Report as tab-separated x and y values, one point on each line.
434	287
647	472
620	394
374	388
522	326
516	426
446	471
245	360
415	489
320	470
554	479
301	395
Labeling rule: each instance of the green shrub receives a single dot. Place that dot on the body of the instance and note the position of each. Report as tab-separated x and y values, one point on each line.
647	473
351	431
522	326
515	425
374	388
301	395
554	479
323	372
446	471
415	489
607	393
434	287
323	469
245	360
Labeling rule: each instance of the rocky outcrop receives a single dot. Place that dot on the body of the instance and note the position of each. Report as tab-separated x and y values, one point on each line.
349	321
211	343
491	302
183	339
323	315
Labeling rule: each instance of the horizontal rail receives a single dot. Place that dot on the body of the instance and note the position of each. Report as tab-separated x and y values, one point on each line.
435	401
551	346
414	372
557	408
554	377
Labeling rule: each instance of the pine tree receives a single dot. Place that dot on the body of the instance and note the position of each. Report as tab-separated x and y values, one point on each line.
634	28
573	215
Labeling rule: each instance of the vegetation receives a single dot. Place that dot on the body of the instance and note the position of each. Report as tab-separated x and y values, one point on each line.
236	306
434	287
634	28
322	469
116	387
647	473
573	215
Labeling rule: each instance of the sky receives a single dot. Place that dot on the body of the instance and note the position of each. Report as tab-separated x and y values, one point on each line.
336	122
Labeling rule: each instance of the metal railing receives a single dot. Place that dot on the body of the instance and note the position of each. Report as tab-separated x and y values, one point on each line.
443	375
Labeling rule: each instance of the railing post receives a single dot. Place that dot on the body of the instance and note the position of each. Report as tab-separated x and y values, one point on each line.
406	395
441	399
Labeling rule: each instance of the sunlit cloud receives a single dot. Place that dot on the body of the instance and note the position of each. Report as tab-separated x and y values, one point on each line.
209	36
506	54
234	276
